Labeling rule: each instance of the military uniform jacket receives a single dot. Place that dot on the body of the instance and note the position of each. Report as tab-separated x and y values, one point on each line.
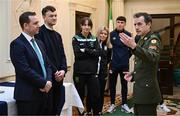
147	54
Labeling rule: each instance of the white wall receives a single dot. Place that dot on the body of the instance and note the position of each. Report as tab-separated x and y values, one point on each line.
6	68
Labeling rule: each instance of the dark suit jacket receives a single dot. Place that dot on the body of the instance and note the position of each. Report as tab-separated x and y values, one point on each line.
29	74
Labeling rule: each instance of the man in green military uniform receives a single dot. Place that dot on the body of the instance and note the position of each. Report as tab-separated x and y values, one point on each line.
146	92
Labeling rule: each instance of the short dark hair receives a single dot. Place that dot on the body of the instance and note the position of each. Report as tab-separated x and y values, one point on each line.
24	18
147	17
84	19
48	8
121	18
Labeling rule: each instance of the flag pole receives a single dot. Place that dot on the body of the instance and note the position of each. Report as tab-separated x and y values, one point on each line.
110	19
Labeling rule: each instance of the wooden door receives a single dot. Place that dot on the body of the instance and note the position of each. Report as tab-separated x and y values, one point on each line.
79	16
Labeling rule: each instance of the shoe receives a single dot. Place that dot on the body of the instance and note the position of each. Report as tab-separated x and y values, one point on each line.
87	114
125	108
164	108
100	113
132	110
111	108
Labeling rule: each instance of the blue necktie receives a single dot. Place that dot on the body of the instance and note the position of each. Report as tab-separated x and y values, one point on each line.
38	53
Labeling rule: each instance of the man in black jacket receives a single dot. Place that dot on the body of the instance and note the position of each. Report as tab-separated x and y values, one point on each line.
119	64
55	51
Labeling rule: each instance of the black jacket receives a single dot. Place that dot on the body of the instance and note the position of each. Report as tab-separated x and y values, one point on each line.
86	62
105	58
120	52
54	48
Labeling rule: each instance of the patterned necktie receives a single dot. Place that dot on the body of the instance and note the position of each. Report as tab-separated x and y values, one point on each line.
38	53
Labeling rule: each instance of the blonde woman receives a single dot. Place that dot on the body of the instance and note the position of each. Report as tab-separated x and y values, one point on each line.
104	59
103	35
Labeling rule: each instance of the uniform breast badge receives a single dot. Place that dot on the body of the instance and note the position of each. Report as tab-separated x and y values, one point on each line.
145	38
153	41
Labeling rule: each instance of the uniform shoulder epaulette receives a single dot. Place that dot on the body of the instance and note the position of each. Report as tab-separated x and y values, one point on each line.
154	36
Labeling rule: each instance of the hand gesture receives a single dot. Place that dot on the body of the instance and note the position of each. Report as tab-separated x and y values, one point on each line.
127	76
127	40
59	75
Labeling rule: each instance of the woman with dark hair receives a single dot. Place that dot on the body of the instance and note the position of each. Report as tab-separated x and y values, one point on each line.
86	52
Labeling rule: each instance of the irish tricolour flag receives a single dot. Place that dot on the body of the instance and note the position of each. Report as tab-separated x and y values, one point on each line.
110	15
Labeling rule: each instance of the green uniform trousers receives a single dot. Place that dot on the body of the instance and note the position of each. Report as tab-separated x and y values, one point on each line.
145	109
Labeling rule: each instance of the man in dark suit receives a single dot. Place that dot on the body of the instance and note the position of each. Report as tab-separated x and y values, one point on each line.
55	51
146	92
33	73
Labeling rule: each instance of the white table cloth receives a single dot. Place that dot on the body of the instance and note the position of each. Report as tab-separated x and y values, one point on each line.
7	96
71	99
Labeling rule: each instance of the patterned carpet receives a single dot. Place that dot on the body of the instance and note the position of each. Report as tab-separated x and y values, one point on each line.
173	104
118	106
107	102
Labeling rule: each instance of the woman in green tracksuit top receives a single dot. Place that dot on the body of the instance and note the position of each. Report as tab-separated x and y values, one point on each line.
86	52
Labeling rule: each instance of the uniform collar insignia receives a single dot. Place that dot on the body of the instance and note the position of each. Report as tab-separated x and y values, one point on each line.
145	38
